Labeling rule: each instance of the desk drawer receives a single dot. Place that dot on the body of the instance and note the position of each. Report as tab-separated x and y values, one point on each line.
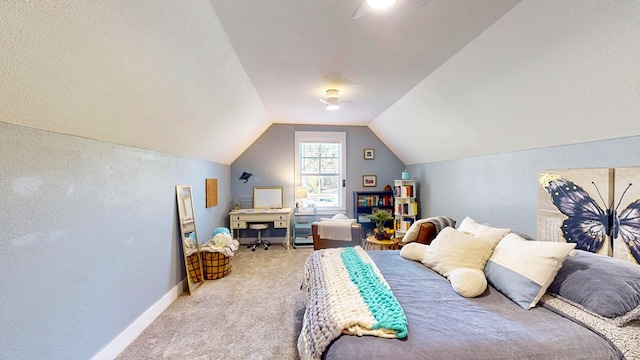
280	224
254	217
239	224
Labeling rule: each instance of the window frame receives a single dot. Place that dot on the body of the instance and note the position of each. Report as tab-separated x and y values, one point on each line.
325	137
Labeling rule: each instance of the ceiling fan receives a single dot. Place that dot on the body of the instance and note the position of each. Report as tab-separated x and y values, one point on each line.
368	6
332	102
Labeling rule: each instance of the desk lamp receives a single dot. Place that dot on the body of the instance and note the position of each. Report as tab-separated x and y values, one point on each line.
301	193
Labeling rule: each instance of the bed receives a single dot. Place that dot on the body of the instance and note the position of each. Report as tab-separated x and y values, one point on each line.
442	324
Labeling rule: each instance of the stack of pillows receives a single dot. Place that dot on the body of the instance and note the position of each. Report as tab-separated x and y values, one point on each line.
523	269
476	254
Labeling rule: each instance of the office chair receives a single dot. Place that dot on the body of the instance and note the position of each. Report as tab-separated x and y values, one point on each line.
255	243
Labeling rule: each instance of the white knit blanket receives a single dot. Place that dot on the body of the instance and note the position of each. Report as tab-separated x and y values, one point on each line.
346	294
335	230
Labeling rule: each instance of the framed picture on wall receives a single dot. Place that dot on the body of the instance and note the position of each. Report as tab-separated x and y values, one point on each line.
369	154
369	181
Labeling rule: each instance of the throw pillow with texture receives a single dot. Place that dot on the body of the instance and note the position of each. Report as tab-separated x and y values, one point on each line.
415	230
453	249
490	233
412	234
426	234
522	270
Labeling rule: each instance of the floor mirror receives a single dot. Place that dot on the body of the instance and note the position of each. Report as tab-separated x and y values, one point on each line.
187	222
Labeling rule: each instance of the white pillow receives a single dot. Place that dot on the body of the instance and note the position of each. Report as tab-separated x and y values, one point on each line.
523	270
490	233
414	251
412	234
468	282
453	249
339	217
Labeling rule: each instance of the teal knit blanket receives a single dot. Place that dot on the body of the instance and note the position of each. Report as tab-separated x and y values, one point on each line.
346	294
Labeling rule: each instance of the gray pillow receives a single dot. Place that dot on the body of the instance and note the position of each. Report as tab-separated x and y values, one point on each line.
606	286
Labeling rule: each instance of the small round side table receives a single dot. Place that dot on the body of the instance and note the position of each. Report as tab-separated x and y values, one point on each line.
374	244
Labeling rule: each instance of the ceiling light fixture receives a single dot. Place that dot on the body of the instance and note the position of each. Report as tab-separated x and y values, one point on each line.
332	100
381	4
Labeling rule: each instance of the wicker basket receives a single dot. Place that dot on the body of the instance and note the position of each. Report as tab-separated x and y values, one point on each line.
215	264
195	273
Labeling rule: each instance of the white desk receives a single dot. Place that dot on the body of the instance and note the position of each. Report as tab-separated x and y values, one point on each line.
279	217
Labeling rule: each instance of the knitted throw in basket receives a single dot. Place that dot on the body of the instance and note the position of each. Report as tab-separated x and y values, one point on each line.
346	294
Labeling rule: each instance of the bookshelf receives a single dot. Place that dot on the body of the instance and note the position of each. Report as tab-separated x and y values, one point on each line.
405	208
366	203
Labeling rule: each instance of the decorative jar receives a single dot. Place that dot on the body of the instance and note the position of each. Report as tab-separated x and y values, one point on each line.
405	175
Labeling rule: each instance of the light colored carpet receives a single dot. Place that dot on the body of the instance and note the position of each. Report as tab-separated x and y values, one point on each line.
255	312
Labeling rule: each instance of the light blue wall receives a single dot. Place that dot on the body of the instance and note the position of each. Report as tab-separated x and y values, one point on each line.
89	238
88	230
502	189
271	160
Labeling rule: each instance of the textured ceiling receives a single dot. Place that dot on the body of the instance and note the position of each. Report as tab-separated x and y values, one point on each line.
158	75
293	51
547	73
204	79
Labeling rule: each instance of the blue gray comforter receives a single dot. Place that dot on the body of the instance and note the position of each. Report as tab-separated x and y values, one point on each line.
444	325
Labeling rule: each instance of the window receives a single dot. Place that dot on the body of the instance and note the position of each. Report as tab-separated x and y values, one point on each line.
320	168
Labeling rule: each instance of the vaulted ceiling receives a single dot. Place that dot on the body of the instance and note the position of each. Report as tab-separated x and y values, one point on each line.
434	79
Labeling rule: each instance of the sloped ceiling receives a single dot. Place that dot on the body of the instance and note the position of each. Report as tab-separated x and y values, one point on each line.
293	51
158	75
547	73
435	80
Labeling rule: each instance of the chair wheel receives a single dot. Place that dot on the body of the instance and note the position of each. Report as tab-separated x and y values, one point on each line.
253	249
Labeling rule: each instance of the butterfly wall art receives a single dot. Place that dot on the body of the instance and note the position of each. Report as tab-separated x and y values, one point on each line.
598	209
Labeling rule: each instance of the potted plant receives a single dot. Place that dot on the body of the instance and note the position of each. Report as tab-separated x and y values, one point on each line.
380	217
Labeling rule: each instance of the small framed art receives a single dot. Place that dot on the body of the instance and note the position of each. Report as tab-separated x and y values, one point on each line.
369	181
369	154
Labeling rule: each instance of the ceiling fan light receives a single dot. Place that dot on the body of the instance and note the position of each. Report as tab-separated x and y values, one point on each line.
381	4
333	106
332	93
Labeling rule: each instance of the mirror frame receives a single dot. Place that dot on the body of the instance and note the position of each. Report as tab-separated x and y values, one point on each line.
186	218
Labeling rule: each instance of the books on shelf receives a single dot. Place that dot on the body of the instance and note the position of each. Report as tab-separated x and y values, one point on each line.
375	200
402	225
404	191
406	209
406	225
406	205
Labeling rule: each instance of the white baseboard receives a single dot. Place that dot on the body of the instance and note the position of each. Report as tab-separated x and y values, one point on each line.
129	334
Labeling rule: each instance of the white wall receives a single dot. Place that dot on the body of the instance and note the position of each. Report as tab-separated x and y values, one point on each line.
547	73
157	75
